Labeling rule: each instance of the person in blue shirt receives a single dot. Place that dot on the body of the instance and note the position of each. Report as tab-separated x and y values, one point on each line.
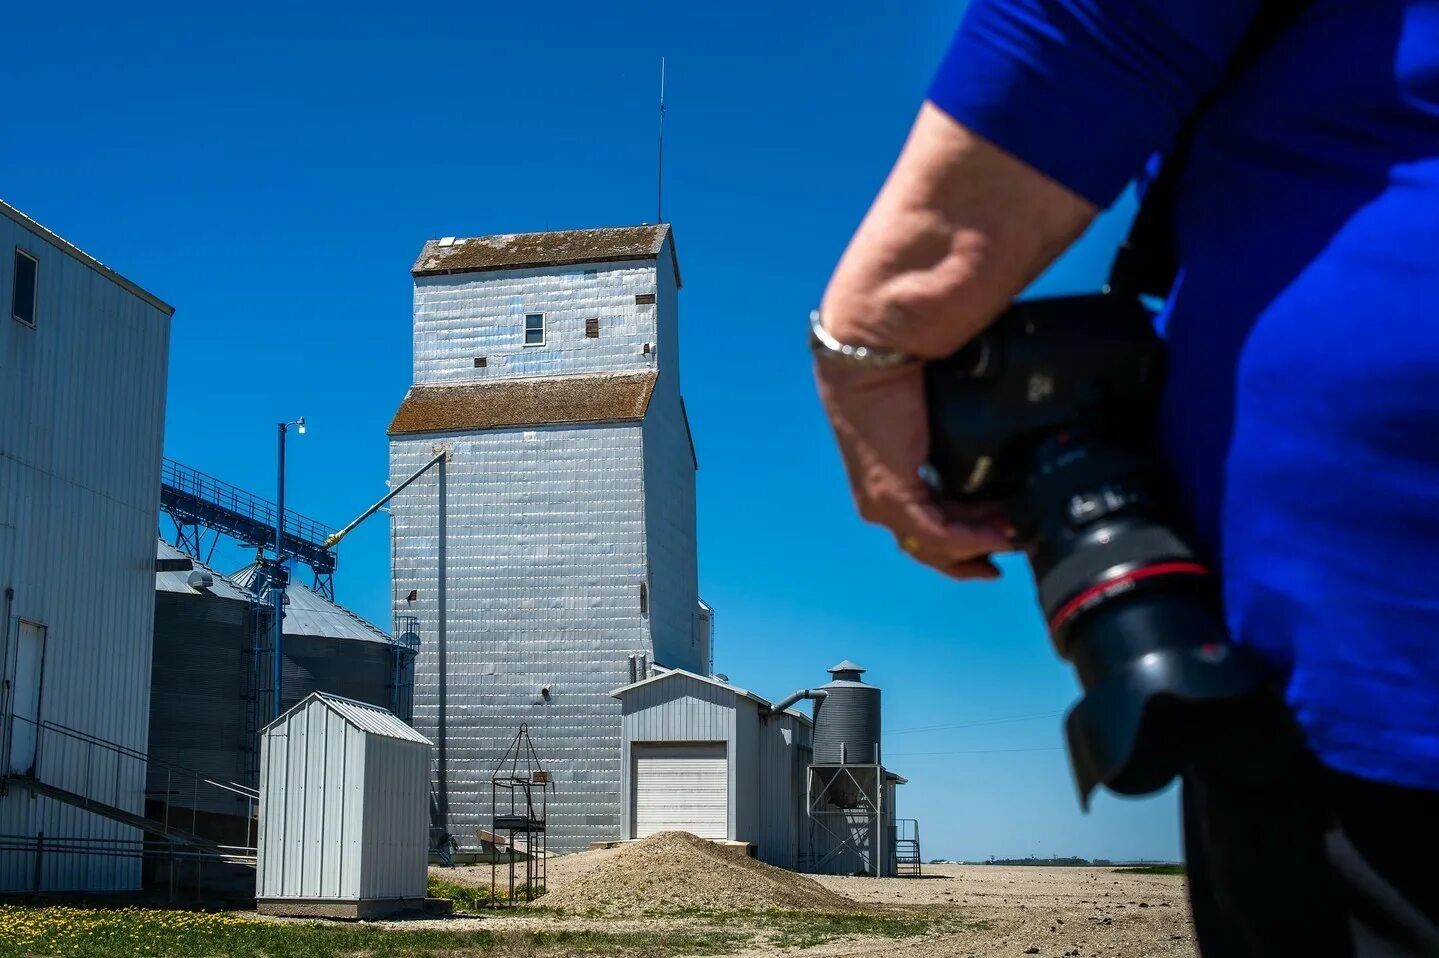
1300	418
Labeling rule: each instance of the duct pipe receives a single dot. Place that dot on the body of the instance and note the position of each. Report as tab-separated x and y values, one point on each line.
778	707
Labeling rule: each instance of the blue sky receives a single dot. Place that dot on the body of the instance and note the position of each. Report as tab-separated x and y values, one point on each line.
274	175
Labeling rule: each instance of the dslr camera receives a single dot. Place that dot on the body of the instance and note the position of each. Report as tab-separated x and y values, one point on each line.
1051	411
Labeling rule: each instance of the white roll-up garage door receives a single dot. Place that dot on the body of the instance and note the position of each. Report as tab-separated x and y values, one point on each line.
681	788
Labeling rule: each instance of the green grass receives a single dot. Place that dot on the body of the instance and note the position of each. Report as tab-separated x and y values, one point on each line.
473	898
1151	870
125	932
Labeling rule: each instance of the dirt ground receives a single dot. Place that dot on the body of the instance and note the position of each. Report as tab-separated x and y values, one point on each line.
997	911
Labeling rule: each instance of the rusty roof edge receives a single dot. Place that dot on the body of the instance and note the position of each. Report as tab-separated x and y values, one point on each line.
647	375
55	239
417	270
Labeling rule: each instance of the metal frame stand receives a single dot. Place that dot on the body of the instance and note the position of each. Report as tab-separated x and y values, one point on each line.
519	796
845	804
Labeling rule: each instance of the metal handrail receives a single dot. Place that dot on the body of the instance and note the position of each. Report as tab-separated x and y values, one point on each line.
179	476
93	797
242	790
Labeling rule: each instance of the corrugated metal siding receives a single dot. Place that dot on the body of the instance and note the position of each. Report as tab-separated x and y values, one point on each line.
549	541
745	768
545	563
461	316
678	709
343	810
766	755
780	790
68	477
397	817
198	686
312	774
670	503
355	670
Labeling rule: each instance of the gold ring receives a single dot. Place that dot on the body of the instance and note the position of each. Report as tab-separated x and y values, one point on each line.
909	544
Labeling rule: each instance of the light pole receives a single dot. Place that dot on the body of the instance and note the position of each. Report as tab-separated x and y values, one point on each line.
279	580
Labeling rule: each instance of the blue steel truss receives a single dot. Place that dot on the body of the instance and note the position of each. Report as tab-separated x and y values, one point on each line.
198	504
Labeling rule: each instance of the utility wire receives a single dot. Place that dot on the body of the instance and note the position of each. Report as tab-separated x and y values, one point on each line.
974	724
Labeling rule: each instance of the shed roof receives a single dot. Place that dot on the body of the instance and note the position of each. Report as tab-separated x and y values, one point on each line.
370	719
666	674
502	403
311	614
64	245
172	574
469	254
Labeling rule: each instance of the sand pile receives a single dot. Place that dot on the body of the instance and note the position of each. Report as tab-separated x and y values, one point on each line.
675	871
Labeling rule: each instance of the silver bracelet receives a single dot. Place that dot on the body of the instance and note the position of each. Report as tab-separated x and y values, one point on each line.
826	347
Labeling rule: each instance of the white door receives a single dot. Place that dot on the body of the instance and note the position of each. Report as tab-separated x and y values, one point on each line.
25	694
681	788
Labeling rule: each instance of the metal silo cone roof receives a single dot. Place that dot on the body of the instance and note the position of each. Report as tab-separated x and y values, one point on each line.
172	576
311	614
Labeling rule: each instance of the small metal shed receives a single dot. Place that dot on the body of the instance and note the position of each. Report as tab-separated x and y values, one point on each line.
704	756
344	815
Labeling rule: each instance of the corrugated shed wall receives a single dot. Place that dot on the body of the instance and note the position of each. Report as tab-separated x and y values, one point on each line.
80	446
312	807
779	790
670	501
744	772
767	756
464	315
397	819
679	709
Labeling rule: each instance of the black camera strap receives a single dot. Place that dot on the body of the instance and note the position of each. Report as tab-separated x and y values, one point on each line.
1147	261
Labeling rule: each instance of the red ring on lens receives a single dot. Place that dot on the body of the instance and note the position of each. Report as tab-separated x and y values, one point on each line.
1074	605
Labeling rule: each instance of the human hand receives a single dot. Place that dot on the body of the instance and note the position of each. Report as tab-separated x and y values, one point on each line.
881	421
959	228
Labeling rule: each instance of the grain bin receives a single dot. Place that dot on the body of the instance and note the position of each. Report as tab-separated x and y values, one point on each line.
846	719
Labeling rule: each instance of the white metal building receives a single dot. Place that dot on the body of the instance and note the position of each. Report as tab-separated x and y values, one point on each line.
548	364
83	354
344	791
710	758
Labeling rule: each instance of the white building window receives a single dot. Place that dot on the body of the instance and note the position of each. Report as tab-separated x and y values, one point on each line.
26	280
535	329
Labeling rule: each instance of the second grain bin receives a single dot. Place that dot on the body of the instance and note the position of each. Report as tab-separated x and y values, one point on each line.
847	719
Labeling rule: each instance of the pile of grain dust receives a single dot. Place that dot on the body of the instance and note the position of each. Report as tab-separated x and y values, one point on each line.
675	871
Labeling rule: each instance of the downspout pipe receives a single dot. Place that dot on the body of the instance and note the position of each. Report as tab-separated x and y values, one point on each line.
780	706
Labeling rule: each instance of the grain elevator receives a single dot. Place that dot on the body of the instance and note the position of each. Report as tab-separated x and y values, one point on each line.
552	558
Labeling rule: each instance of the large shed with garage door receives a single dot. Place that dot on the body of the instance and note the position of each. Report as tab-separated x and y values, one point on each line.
704	756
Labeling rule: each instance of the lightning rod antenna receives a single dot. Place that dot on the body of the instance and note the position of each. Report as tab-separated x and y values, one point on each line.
660	176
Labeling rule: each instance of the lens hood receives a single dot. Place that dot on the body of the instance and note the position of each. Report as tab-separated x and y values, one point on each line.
1134	731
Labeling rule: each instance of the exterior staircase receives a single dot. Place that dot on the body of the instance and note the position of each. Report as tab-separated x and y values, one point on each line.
907	860
89	773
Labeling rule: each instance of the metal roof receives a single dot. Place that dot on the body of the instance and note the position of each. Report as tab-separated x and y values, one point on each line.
309	613
370	719
554	248
708	680
177	580
847	666
510	403
77	253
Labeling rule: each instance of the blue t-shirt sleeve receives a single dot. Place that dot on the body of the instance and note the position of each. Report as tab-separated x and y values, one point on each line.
1085	91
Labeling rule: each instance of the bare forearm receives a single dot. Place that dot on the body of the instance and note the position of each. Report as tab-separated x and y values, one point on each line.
959	228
